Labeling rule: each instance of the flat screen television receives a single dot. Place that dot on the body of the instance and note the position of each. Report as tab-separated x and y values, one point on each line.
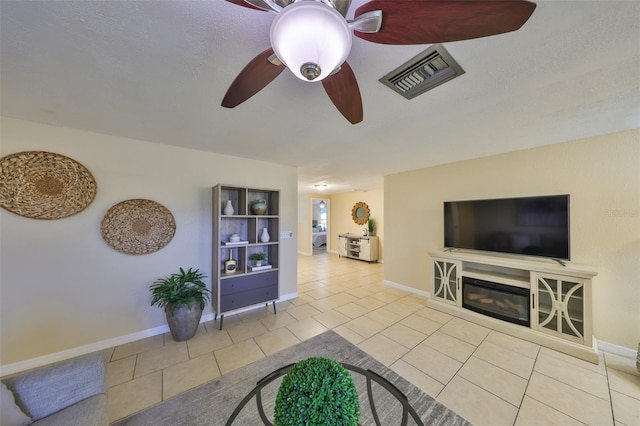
533	226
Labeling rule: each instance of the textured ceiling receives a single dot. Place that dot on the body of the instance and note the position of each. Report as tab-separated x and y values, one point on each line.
158	70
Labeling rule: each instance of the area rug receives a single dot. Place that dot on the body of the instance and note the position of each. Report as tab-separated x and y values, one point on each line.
213	402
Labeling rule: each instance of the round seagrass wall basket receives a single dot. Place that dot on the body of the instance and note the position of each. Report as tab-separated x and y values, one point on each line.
138	227
44	185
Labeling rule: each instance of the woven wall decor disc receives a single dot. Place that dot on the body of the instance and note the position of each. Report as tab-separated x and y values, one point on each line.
44	185
138	227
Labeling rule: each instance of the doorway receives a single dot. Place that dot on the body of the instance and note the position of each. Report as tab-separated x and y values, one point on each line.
319	226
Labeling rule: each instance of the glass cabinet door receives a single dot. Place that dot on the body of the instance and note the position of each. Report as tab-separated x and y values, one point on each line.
445	280
561	306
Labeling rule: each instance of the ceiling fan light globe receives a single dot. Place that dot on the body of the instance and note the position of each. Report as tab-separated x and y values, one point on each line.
310	32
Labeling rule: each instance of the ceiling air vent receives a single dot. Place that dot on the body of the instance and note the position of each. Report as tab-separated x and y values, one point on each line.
425	71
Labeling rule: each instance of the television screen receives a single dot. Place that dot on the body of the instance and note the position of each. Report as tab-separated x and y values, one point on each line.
536	226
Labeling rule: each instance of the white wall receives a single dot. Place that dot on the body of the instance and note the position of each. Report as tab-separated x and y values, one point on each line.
62	286
602	175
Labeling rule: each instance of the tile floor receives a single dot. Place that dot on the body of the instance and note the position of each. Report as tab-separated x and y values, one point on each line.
487	377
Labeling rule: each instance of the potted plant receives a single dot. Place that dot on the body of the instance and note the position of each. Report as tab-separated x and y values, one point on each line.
258	258
317	391
183	296
371	225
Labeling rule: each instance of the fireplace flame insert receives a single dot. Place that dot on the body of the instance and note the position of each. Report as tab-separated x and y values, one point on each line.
504	302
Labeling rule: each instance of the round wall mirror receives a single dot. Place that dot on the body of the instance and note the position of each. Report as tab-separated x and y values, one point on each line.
360	213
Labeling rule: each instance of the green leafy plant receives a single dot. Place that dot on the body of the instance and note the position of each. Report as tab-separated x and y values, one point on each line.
258	256
371	224
317	391
176	289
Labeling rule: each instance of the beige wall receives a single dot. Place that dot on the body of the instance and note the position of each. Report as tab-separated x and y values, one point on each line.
601	174
62	286
341	221
304	224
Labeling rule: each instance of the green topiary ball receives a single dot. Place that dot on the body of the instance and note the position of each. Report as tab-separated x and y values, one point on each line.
317	391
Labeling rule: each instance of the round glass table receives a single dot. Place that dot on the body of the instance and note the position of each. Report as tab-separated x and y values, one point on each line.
404	413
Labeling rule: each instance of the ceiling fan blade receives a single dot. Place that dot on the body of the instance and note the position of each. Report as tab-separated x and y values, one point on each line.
342	88
245	4
429	21
253	78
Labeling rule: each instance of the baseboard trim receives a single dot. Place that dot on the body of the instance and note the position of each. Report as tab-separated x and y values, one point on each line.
28	364
40	361
405	288
617	349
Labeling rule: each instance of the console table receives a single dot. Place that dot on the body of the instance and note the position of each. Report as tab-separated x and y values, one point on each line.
362	247
557	308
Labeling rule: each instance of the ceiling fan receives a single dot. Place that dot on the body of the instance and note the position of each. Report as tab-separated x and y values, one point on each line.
313	38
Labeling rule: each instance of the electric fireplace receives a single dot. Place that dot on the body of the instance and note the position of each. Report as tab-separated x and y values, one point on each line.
504	302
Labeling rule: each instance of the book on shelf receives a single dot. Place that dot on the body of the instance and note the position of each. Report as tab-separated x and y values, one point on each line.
260	268
234	243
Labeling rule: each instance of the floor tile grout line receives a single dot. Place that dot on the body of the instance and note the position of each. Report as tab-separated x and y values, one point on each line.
462	364
457	374
564	360
576	388
517	407
609	382
504	369
422	341
526	388
554	409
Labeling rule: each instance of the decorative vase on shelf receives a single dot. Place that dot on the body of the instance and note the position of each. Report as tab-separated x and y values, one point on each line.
264	237
259	207
228	209
231	265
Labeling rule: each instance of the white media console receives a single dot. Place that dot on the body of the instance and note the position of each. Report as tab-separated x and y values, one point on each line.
539	300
